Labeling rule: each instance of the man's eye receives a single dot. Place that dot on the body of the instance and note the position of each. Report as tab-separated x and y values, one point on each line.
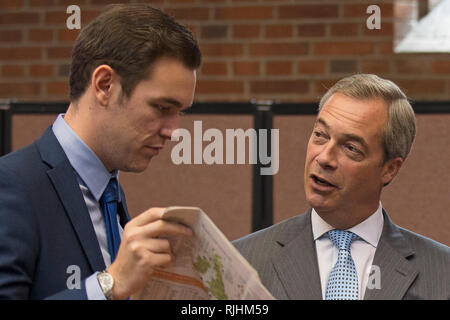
318	135
161	107
352	148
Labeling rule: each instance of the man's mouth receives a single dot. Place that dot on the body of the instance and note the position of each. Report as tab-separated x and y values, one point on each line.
322	182
155	149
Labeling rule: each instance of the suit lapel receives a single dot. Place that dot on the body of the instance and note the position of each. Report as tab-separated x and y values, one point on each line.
296	262
396	272
66	185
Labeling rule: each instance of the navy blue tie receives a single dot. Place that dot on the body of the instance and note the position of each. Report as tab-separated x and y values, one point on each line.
109	204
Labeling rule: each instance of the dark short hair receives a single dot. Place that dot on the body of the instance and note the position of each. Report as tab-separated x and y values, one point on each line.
129	38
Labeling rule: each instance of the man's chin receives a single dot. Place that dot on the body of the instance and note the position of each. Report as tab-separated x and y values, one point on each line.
136	167
320	203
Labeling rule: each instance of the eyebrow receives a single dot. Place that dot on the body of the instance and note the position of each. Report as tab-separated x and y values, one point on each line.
347	136
171	101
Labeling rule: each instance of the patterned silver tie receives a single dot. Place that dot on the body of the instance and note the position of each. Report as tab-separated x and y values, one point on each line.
343	280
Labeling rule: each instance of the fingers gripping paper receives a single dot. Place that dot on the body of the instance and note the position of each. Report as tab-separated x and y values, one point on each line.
206	265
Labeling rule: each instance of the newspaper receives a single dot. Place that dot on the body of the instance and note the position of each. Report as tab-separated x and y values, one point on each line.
206	265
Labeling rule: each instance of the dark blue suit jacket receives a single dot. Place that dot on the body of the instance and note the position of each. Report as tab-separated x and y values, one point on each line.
45	225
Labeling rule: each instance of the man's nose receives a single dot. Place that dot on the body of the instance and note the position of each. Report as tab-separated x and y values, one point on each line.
327	157
170	124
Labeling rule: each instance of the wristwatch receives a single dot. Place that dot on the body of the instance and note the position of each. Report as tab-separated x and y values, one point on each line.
106	282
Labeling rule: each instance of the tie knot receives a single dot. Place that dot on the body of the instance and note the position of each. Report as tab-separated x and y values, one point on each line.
110	194
342	239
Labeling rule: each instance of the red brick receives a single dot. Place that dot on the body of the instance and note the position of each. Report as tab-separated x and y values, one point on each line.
214	68
188	13
66	35
57	88
40	35
378	66
421	86
79	3
345	29
57	17
441	67
279	49
19	18
221	49
219	86
385	47
11	4
41	70
278	67
59	52
63	70
308	11
343	66
405	10
343	48
105	2
246	31
13	71
240	13
311	67
278	31
311	30
20	53
322	85
11	36
19	89
406	65
279	86
211	32
45	3
246	68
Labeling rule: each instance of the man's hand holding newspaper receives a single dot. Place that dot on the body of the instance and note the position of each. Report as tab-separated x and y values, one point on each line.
206	265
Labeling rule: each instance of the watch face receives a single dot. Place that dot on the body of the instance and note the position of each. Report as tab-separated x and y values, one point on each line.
107	280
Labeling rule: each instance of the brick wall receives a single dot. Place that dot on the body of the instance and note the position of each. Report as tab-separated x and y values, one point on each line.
286	50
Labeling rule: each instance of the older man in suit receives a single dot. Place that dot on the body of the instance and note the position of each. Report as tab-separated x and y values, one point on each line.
133	72
345	246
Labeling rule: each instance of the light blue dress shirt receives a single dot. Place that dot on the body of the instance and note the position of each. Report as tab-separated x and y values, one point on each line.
92	178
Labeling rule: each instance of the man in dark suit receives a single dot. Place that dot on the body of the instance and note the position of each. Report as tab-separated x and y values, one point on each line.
345	246
133	71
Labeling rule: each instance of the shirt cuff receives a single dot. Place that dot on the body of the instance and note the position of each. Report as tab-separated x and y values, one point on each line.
93	290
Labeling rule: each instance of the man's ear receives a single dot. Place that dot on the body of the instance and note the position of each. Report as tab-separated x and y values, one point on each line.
103	78
390	170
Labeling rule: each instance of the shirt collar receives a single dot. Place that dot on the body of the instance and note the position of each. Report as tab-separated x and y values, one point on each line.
85	162
369	230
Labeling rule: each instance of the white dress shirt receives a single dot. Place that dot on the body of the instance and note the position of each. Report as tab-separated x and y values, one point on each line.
362	250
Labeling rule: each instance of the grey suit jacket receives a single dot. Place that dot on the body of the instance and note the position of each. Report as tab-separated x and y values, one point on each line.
411	266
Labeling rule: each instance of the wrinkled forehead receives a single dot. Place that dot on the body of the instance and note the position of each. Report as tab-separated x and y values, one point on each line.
350	114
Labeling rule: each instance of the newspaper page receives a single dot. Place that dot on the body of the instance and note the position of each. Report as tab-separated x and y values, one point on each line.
206	266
